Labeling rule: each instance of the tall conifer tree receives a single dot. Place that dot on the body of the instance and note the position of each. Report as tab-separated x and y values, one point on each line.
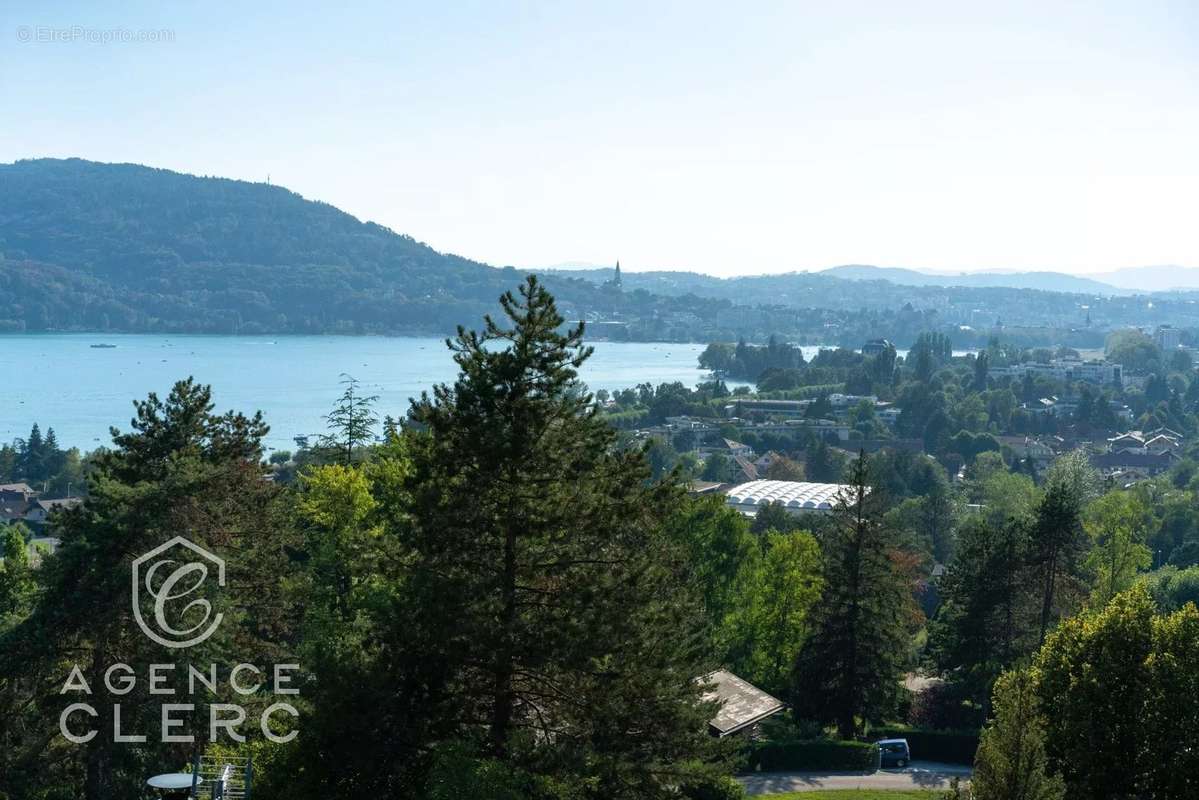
851	667
181	470
551	591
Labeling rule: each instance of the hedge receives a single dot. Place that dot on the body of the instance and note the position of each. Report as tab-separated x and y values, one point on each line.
627	419
722	788
952	747
812	754
798	393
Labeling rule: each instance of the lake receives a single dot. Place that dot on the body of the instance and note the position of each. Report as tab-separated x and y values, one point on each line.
60	381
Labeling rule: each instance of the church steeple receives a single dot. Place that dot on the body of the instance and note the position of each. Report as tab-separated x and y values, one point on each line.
616	278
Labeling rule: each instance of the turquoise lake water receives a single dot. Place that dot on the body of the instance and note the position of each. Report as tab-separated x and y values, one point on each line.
60	381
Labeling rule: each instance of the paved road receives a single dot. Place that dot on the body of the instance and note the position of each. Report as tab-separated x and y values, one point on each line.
919	775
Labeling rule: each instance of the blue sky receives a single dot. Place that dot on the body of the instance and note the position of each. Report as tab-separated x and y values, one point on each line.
729	138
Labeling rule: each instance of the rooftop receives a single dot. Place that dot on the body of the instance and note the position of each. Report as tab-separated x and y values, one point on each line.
741	703
792	494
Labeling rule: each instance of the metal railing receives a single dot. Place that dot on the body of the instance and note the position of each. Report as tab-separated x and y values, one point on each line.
225	778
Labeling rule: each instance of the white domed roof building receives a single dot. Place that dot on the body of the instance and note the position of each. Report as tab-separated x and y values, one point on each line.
797	497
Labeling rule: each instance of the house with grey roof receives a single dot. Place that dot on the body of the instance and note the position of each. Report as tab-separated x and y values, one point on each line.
742	705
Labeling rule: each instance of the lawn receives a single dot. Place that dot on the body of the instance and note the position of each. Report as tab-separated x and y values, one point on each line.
858	794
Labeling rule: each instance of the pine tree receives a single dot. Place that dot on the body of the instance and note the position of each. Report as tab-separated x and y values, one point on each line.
546	621
987	618
181	470
982	365
31	455
53	458
350	422
8	463
821	463
1057	538
851	667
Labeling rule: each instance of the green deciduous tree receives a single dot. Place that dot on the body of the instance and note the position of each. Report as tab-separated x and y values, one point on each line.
17	586
1173	588
1011	763
717	541
1172	713
1117	686
784	469
1118	524
771	617
1093	683
773	517
716	468
1134	349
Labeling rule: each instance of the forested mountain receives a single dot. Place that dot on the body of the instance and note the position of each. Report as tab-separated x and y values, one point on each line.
85	245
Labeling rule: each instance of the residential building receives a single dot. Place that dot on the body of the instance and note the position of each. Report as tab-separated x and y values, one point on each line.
763	462
1168	338
16	493
1028	447
1126	465
875	346
1162	440
774	408
843	401
741	470
736	449
1130	442
742	705
855	446
15	499
1098	371
889	416
688	424
40	510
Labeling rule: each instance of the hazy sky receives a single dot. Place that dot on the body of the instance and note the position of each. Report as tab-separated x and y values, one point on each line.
724	137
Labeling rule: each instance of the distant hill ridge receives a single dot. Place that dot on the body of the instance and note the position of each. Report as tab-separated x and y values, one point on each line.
1127	281
124	247
1044	281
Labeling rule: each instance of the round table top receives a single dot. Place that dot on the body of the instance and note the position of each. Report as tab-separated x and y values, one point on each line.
173	780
